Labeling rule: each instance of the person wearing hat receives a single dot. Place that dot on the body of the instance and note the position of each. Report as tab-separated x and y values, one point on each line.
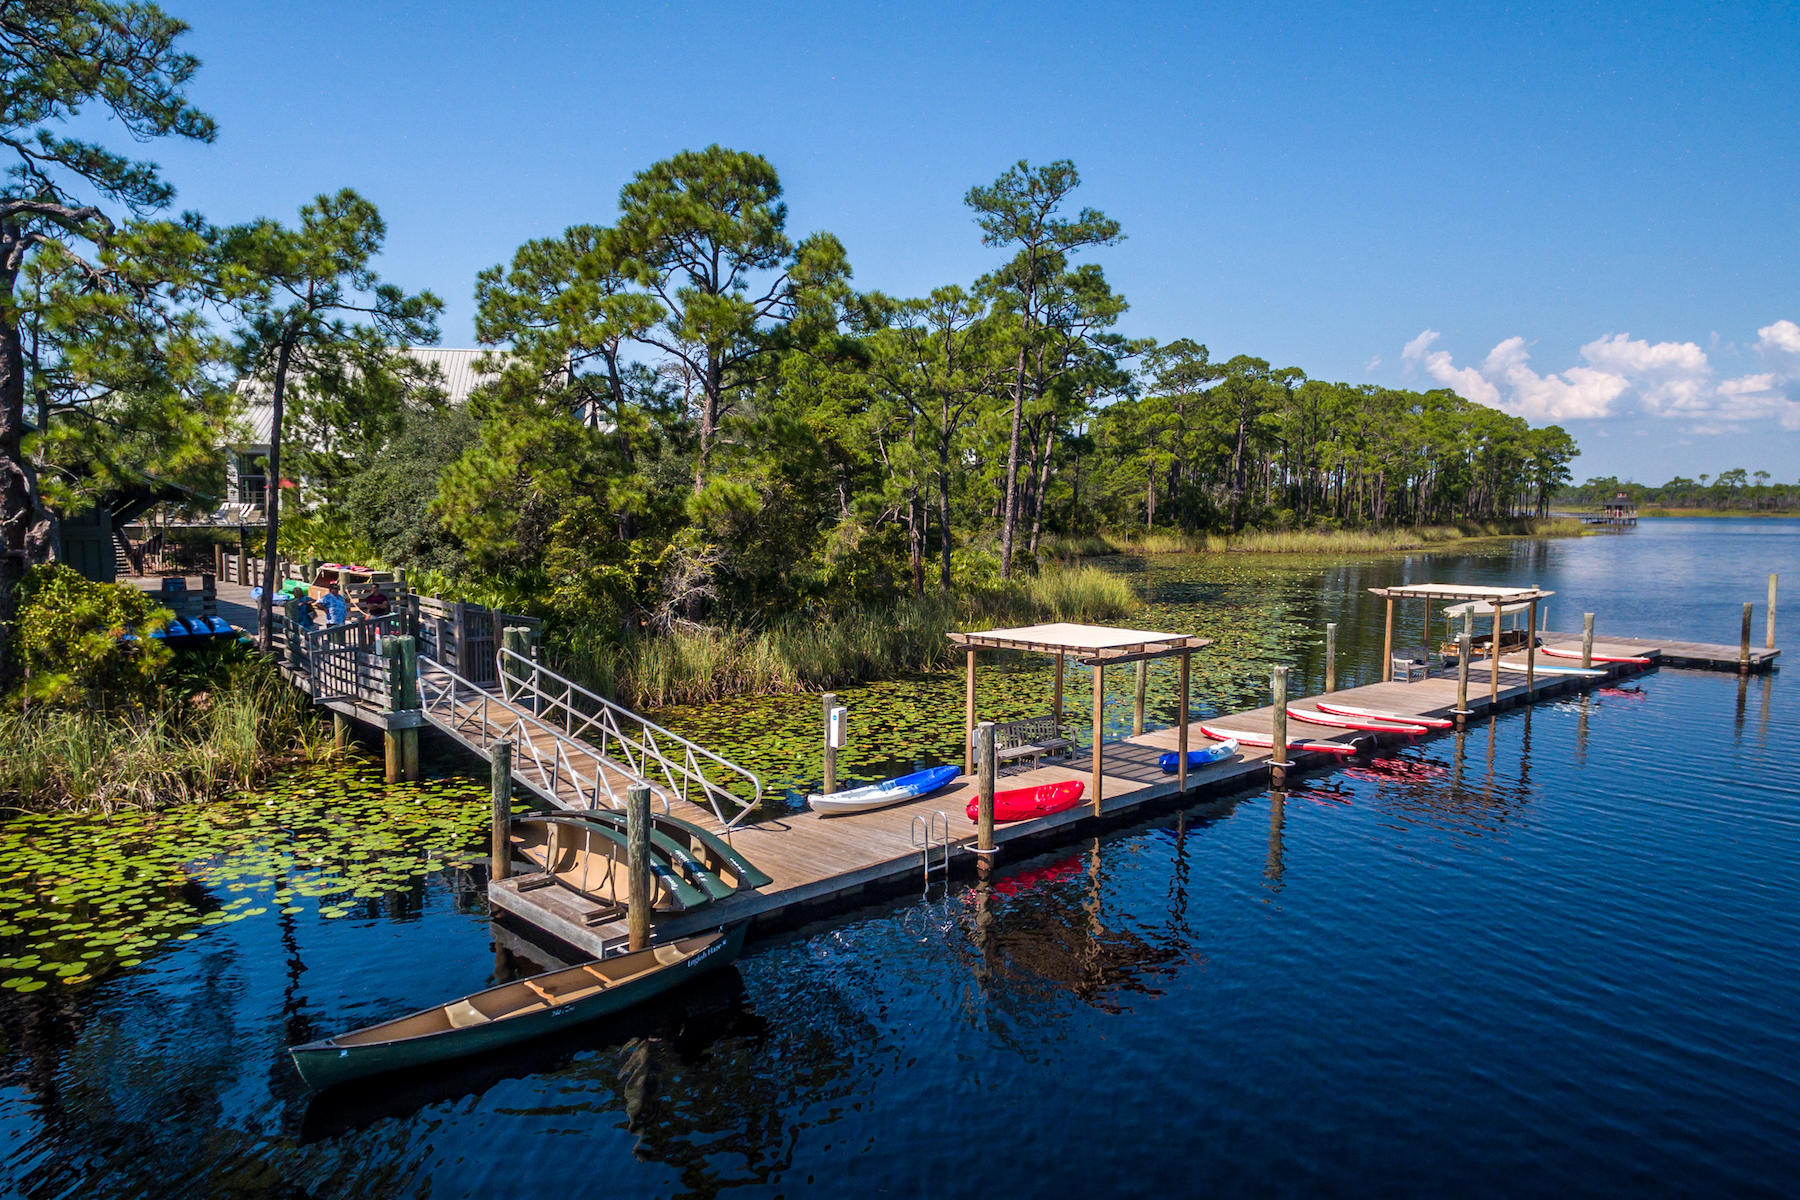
337	610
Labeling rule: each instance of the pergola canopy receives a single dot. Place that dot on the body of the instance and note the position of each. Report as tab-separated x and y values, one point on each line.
1486	593
1088	643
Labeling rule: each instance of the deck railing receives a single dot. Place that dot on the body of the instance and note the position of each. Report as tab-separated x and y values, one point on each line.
544	757
340	662
644	748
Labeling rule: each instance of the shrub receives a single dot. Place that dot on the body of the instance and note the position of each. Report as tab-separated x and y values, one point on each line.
88	644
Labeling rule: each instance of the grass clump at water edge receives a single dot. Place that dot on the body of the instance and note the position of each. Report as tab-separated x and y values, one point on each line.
1307	541
801	653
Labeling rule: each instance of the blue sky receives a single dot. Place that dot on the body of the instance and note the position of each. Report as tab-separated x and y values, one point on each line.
1576	212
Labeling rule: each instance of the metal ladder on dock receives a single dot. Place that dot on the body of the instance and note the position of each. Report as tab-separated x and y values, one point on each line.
932	831
579	750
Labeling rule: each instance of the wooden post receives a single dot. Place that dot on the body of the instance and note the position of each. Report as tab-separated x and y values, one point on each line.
1387	644
1494	662
401	745
1137	707
1330	657
1181	730
1587	641
1769	637
340	730
969	716
1531	650
984	789
1099	685
1056	705
393	755
219	559
637	865
1464	650
1278	752
830	750
1744	642
500	785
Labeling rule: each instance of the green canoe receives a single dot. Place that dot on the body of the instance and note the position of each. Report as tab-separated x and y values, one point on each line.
515	1012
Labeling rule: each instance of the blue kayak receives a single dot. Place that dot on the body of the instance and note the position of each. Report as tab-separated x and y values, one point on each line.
1199	758
880	795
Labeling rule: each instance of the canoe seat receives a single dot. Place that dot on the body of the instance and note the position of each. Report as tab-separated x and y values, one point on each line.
669	955
462	1014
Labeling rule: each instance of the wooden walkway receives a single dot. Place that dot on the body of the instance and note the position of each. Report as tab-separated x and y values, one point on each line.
818	863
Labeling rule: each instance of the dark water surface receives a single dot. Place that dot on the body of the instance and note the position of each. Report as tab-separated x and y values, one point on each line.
1557	955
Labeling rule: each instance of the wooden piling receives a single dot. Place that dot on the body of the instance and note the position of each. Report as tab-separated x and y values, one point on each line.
1181	729
637	865
1769	637
984	790
340	730
500	785
830	786
1056	704
969	715
1137	706
1099	729
1330	657
1531	628
1494	663
1587	641
1387	644
1465	647
1278	752
1744	641
400	746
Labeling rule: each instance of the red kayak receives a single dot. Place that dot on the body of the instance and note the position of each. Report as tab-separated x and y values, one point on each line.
1267	741
1618	658
1365	724
1378	715
1021	804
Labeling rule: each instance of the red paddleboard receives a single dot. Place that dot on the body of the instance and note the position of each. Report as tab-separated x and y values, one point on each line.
1267	741
1377	715
1366	724
1618	658
1020	804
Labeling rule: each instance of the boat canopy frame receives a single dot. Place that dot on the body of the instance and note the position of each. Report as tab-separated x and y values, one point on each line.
1500	597
1093	646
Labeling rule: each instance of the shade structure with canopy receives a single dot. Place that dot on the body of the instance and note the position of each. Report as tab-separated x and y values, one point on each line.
1090	645
1471	597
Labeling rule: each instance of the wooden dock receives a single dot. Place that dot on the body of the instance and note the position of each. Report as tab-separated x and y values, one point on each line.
821	863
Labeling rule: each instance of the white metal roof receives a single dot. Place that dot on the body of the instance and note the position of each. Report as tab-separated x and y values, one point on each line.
1095	641
455	369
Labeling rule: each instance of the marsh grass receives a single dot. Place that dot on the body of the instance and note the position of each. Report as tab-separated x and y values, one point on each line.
804	653
197	745
1308	541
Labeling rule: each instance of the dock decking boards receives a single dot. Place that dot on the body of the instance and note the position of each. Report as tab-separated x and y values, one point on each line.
814	859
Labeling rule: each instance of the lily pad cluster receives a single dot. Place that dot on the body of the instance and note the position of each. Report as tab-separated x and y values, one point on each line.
80	896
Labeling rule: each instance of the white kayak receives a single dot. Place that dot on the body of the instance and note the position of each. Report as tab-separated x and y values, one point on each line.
880	795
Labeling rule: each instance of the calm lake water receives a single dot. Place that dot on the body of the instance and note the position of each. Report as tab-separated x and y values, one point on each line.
1556	955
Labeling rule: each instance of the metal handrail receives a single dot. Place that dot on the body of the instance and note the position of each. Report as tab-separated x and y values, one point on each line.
438	698
643	752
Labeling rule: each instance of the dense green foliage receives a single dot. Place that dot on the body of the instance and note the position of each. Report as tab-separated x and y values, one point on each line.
1735	490
73	646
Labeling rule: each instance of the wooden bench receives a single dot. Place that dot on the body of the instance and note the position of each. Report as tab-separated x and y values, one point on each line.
1409	665
1033	738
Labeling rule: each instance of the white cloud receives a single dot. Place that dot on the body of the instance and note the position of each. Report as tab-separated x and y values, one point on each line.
1674	380
1373	362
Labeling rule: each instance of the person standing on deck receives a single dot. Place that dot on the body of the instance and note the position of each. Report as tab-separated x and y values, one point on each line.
336	609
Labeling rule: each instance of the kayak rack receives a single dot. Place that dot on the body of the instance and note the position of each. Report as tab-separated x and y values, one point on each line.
931	831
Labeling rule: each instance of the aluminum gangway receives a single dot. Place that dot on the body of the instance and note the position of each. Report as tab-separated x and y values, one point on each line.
578	750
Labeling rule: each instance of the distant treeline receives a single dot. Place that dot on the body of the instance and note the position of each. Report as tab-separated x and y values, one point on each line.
1736	490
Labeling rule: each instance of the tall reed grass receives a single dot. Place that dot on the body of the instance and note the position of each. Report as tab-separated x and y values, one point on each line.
196	747
799	654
